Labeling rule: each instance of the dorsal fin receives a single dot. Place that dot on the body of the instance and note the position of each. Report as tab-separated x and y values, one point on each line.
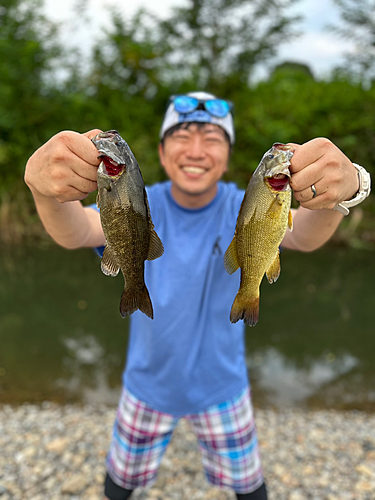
156	248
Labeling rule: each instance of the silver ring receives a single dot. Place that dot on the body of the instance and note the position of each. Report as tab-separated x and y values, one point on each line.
313	189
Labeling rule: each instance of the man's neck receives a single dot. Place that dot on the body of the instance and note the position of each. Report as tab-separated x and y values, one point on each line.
190	200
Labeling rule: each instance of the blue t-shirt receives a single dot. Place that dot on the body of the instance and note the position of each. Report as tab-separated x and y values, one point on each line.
189	356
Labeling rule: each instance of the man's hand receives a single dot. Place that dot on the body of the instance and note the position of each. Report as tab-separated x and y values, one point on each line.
65	167
320	163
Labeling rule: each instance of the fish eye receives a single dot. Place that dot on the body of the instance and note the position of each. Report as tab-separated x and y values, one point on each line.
270	156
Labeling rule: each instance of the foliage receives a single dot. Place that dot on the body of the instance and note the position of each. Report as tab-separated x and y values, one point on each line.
292	107
139	62
358	25
212	40
27	52
125	87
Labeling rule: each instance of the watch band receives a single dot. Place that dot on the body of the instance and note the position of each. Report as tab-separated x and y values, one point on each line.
363	191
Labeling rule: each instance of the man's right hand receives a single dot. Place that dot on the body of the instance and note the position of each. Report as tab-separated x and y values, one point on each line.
65	167
64	170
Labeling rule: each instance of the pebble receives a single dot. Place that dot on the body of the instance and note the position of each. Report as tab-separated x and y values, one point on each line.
58	452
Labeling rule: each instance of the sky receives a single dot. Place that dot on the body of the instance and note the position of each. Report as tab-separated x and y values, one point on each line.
316	47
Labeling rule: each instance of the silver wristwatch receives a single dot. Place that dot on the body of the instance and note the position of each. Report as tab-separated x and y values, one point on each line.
363	192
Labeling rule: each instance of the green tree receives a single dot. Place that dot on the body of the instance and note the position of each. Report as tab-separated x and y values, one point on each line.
124	89
293	107
212	42
207	44
358	25
27	57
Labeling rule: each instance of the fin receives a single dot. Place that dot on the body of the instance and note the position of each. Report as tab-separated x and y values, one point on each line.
156	248
246	308
131	301
274	271
98	200
290	221
275	205
230	257
109	265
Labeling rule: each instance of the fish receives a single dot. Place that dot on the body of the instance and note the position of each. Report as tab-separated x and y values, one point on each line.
126	221
262	222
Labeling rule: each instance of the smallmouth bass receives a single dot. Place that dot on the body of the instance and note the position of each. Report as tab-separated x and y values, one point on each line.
261	225
126	220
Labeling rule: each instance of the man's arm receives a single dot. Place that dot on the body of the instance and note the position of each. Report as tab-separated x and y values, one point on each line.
311	228
60	174
322	164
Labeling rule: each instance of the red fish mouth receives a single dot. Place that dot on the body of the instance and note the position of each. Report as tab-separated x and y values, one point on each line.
278	182
111	167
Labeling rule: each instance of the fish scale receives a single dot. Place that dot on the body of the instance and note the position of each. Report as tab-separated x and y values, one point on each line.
126	220
261	225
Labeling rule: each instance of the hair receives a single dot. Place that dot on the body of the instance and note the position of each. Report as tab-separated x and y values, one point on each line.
186	125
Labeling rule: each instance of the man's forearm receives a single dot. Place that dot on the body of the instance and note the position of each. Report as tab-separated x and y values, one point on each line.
70	224
311	229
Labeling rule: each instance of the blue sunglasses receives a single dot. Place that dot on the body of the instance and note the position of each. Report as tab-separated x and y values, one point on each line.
187	104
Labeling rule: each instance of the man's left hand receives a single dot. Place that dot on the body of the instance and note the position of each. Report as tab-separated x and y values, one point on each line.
321	164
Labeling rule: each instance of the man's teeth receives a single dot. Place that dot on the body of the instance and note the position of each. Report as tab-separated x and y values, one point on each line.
194	170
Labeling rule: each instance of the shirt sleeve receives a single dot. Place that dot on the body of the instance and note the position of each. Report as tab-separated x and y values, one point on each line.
98	250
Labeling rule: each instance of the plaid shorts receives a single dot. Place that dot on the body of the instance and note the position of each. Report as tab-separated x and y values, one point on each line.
226	435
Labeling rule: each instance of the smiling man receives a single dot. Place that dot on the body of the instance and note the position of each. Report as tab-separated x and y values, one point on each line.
190	360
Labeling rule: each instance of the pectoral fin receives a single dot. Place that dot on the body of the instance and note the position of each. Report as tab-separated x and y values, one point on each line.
109	265
274	271
98	200
230	257
156	248
290	221
275	207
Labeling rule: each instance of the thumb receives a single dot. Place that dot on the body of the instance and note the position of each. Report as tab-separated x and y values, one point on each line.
293	145
92	133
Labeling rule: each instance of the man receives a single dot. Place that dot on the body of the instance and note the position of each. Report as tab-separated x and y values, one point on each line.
189	361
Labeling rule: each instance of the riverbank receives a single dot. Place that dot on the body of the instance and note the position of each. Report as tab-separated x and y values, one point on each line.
57	452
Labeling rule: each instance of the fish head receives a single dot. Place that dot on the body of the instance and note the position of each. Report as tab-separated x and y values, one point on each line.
275	167
115	154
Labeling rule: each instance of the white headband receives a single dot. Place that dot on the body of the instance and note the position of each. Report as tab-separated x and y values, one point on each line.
172	117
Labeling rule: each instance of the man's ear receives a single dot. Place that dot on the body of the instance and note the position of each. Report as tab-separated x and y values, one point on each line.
161	154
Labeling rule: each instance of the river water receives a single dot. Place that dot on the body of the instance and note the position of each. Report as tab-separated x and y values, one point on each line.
62	338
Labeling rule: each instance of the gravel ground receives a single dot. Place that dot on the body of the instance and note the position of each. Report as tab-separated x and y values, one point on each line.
55	452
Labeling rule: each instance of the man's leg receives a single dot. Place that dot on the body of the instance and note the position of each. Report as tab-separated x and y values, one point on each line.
229	446
140	437
114	492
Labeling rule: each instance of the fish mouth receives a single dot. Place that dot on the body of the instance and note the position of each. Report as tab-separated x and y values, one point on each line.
111	134
107	143
110	167
279	182
282	147
278	176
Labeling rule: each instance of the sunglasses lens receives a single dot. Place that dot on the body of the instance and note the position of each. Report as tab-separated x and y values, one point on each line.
217	107
185	104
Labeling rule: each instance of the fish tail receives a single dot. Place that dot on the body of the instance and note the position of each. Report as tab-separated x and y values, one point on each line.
246	308
131	300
